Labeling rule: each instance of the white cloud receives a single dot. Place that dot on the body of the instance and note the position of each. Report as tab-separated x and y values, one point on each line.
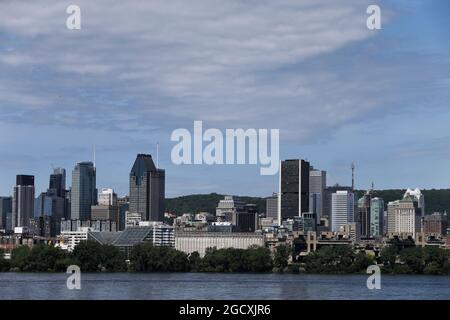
227	62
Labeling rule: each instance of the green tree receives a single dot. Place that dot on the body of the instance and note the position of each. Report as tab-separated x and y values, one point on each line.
19	258
259	259
4	264
92	257
413	259
147	258
281	256
388	257
195	261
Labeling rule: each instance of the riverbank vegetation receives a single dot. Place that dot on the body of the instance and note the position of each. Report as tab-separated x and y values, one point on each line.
93	257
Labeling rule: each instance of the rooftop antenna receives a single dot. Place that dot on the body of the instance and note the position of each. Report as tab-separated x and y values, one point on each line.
157	155
353	176
94	155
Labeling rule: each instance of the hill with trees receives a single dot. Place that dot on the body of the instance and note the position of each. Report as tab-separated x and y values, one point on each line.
435	200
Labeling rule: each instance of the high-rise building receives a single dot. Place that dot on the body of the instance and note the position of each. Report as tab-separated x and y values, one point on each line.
124	206
147	189
418	198
342	209
435	224
363	216
107	197
405	216
376	217
57	184
293	195
247	220
23	201
272	207
317	185
327	199
105	212
83	192
43	205
228	207
402	216
5	213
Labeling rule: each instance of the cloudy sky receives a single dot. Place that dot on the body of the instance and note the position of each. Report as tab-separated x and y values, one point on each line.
138	70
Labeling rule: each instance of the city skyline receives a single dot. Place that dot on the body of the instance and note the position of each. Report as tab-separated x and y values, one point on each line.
338	92
126	193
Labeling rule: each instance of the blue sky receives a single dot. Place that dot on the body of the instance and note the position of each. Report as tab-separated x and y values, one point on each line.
135	72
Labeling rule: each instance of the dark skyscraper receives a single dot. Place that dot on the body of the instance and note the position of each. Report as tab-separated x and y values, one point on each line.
5	213
147	189
84	192
293	192
57	185
23	201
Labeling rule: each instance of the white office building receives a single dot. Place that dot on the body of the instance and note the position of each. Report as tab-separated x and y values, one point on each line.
70	239
107	197
227	208
190	242
342	209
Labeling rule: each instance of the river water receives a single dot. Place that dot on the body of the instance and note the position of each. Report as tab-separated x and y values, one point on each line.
220	286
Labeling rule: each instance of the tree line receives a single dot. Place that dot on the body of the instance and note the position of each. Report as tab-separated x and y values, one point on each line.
91	256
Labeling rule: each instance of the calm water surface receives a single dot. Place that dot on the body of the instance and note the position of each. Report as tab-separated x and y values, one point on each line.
220	286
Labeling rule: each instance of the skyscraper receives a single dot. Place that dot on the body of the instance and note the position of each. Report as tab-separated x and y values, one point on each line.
84	192
402	216
293	195
23	201
5	213
57	184
406	215
272	207
147	189
363	217
317	185
376	217
107	197
327	198
342	209
227	207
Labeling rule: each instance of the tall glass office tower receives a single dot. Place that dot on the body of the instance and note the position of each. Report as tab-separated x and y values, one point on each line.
84	191
147	189
376	217
23	201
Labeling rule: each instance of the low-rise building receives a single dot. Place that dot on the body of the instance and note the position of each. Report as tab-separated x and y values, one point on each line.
70	239
190	242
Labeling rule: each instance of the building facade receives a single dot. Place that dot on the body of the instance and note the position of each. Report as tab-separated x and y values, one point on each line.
107	197
6	213
23	201
317	186
342	209
293	193
227	208
84	191
147	189
190	242
435	224
376	217
272	207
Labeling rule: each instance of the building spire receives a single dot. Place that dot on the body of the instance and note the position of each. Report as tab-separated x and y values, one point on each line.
157	155
353	176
